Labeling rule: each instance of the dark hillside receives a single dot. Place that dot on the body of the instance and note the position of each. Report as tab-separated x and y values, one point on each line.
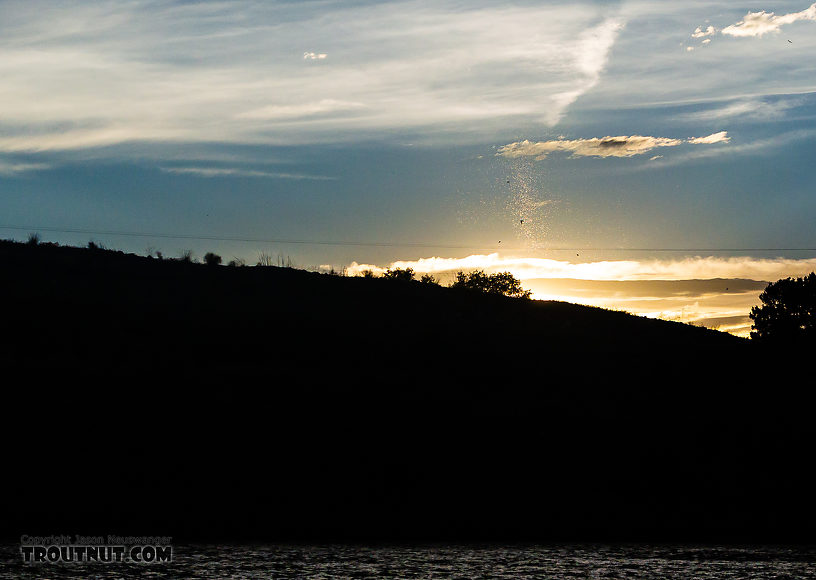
269	403
69	298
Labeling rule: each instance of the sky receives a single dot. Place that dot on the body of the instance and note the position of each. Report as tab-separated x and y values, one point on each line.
654	157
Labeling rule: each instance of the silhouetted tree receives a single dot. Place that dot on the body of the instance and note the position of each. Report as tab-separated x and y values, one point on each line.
33	239
788	311
429	279
500	283
404	274
212	259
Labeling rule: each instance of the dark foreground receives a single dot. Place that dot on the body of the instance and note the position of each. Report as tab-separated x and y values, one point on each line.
262	404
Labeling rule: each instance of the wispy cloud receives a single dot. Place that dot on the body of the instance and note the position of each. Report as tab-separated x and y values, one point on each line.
94	75
12	168
238	172
727	68
757	147
620	146
754	109
300	111
721	137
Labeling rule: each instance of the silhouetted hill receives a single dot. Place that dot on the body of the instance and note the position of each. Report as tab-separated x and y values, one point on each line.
159	396
103	298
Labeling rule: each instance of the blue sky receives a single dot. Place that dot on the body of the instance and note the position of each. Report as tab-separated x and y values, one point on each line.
538	136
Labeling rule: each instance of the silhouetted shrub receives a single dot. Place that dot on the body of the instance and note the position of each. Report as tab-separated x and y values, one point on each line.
264	259
186	256
33	239
500	283
368	274
429	279
280	261
212	259
404	274
788	311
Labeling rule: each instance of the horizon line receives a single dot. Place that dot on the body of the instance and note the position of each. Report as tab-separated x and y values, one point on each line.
34	229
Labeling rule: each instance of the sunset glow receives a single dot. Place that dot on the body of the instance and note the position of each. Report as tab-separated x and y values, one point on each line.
710	291
582	146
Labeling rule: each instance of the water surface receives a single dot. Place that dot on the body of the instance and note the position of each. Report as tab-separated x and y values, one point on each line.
522	561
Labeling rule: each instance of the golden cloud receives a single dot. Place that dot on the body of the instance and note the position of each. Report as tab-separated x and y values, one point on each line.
620	146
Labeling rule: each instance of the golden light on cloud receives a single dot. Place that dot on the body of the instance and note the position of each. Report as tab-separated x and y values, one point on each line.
690	268
722	304
717	292
620	146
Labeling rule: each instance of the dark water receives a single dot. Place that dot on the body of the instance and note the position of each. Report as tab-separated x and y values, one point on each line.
573	561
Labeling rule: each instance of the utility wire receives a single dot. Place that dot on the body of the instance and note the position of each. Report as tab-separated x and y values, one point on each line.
238	238
377	244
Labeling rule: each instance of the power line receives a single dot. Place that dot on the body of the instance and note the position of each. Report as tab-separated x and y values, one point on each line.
377	244
236	238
